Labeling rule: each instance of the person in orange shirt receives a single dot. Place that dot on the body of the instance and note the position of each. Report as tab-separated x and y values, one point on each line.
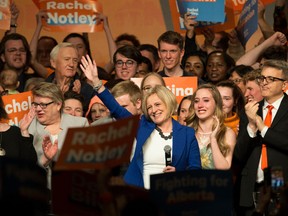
233	103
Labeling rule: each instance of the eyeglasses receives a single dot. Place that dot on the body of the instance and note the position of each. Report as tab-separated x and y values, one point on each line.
268	79
237	81
42	105
14	50
128	63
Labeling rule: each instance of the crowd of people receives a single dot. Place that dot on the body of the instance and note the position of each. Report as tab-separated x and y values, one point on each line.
236	119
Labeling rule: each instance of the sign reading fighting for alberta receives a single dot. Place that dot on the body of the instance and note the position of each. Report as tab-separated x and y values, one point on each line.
98	147
71	15
193	192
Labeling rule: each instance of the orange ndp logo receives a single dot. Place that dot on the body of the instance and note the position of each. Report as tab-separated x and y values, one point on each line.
5	14
16	106
71	16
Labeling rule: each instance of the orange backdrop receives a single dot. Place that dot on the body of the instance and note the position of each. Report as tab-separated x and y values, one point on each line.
142	18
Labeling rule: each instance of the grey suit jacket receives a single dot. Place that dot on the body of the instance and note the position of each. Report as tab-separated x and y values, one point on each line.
38	131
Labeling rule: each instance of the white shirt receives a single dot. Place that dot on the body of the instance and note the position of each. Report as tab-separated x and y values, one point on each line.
276	105
154	156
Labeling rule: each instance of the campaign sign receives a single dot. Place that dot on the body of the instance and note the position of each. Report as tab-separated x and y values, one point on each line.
203	10
5	15
88	193
16	106
180	86
194	192
79	195
237	5
173	19
248	21
70	15
98	147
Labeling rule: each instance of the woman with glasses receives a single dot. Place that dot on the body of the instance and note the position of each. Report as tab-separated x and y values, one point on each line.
158	134
48	124
49	121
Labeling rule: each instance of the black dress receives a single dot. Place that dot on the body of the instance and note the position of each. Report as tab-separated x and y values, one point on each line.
16	146
22	182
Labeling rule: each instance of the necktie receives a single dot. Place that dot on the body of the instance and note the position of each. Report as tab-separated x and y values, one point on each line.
267	122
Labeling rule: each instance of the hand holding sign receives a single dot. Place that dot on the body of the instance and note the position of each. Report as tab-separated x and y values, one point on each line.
100	17
41	16
189	21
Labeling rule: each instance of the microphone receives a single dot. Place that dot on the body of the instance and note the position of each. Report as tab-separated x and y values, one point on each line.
168	159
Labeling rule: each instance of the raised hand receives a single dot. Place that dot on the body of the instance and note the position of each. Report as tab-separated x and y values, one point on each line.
209	36
233	38
14	12
189	21
26	121
41	15
49	149
77	86
251	109
89	68
100	17
216	129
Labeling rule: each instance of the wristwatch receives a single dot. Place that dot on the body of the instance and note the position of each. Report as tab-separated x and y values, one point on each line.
98	86
13	25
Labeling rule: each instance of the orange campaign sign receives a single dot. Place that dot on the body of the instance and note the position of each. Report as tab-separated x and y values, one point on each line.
180	86
16	106
237	5
71	15
5	14
98	147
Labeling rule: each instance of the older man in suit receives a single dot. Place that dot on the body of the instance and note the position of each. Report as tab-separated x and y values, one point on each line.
259	143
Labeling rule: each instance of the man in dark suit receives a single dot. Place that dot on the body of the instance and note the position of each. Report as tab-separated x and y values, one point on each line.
253	133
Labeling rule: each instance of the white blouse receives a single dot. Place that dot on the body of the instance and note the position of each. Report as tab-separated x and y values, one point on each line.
154	156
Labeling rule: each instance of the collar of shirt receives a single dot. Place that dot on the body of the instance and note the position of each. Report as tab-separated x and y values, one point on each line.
276	106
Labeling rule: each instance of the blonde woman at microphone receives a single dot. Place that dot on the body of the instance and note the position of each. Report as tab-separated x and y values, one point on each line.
156	129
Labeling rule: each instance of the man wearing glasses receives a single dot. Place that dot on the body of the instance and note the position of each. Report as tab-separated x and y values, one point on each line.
126	61
15	54
259	145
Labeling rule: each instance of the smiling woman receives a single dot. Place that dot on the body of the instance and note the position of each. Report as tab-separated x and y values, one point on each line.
156	130
48	123
216	141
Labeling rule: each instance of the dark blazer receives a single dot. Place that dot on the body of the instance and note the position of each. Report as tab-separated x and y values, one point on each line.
86	90
248	150
185	150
